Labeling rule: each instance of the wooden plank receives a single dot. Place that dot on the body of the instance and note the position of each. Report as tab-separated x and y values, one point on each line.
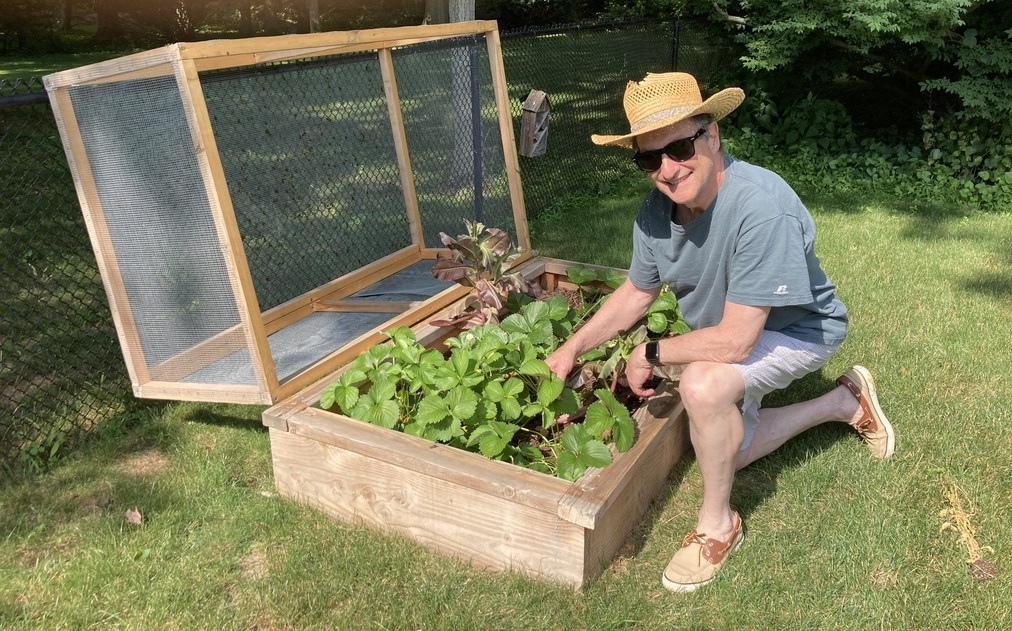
417	455
371	39
299	307
250	59
401	147
447	514
200	355
150	63
98	234
365	306
226	226
211	393
499	87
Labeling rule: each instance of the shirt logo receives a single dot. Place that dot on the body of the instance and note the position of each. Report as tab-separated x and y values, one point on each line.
781	291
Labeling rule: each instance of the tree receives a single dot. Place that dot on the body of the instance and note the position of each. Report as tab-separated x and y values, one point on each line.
957	51
110	28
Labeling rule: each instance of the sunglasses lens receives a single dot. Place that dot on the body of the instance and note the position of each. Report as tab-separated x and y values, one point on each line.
648	161
678	150
681	150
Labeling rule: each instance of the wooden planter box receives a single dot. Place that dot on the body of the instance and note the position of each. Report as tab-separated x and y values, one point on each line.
490	513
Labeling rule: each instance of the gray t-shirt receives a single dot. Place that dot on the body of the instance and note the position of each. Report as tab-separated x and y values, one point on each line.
755	245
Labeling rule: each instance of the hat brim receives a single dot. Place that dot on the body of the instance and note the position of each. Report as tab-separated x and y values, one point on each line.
719	105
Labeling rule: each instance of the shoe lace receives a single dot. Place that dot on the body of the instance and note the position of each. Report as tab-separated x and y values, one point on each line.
693	537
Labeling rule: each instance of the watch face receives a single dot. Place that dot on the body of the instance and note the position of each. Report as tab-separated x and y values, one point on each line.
652	353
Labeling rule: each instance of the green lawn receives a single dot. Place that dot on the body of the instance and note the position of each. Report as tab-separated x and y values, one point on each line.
835	539
12	68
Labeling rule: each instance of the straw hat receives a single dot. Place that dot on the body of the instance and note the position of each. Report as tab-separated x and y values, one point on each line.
664	99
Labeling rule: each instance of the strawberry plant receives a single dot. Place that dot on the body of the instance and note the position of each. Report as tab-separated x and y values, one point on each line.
492	391
479	260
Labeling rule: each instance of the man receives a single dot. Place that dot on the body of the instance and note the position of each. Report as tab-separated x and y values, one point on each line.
736	246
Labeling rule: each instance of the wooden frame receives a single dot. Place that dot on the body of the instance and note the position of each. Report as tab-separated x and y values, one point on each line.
489	513
169	378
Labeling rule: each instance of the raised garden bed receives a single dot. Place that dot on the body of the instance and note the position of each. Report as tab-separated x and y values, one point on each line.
490	513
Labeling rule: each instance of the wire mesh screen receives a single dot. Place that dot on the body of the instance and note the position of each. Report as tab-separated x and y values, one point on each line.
452	127
157	214
309	158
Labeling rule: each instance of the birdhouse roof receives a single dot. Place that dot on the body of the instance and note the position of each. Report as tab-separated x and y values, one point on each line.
536	101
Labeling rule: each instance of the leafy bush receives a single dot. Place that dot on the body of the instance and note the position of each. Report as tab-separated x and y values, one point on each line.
815	146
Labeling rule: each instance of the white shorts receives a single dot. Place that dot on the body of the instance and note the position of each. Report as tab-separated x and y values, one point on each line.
775	362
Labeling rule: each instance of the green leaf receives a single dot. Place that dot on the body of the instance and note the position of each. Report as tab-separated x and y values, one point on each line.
657	322
549	390
574	437
510	409
567	403
382	412
535	368
462	403
568	466
623	434
594	453
494	391
558	308
402	337
581	275
598	420
612	278
432	409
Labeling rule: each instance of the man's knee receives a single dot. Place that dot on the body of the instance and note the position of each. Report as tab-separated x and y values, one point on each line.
709	385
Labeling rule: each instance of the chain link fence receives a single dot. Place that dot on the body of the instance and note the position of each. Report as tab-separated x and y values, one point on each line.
61	373
62	376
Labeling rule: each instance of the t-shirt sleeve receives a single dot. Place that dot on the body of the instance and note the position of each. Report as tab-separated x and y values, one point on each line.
643	271
769	267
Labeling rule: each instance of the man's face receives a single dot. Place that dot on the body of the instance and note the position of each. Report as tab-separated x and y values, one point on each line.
693	182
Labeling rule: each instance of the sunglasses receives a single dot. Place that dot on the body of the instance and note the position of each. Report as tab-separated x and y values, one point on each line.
678	150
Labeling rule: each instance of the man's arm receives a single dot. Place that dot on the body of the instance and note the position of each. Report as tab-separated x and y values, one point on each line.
730	341
621	310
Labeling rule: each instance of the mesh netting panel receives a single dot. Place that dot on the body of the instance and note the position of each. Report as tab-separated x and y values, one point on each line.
312	172
452	127
157	212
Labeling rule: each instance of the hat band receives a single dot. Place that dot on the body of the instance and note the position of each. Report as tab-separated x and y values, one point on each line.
671	112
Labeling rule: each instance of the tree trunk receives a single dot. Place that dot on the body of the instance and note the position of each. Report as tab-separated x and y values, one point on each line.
245	18
110	28
68	14
313	7
272	24
437	12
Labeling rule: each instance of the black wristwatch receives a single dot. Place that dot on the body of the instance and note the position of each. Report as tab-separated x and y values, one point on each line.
652	351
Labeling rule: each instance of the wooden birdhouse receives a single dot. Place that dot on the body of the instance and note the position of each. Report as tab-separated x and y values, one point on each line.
534	124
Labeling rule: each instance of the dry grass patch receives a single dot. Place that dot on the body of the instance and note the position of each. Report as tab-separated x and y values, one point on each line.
144	465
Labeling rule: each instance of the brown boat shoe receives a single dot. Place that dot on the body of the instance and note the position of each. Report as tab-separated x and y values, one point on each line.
873	426
699	559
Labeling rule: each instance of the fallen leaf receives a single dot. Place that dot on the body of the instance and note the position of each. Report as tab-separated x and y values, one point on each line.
133	516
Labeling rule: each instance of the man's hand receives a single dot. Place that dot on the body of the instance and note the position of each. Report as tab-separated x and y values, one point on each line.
638	371
561	362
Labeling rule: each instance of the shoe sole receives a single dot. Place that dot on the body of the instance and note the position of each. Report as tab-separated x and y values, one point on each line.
869	385
685	588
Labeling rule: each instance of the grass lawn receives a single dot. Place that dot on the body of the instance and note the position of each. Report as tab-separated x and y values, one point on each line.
12	68
835	539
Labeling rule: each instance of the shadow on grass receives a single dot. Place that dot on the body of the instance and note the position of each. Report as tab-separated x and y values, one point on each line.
757	482
228	416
